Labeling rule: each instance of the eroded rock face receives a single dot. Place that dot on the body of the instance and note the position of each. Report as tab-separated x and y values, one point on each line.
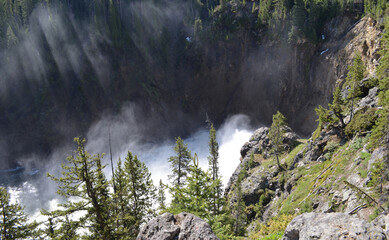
331	226
260	179
184	226
382	222
259	143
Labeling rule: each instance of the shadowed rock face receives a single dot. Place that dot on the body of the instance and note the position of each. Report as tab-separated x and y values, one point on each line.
184	226
331	226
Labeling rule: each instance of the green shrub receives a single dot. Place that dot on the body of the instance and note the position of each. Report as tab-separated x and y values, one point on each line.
362	121
330	148
371	82
379	130
273	229
289	159
266	196
273	236
356	144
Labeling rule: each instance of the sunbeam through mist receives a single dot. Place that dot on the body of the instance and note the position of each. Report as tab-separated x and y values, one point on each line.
126	134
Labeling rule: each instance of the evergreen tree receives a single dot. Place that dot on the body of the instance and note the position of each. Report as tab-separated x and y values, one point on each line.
141	191
198	191
179	164
276	135
239	207
213	161
354	76
12	40
337	106
161	196
298	20
383	67
265	7
83	179
13	222
124	221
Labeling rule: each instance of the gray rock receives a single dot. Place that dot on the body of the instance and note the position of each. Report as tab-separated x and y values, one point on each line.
315	149
259	143
299	156
184	226
259	134
246	148
371	100
259	180
312	153
382	221
377	154
235	175
161	227
194	228
331	226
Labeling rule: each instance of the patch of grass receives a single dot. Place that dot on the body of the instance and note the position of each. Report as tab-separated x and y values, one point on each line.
363	173
365	156
301	191
363	166
293	153
359	142
273	229
330	148
273	236
375	214
362	121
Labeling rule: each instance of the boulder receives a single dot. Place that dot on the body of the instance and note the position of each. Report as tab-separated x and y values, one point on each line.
382	221
315	149
260	143
331	226
371	100
184	226
246	148
259	179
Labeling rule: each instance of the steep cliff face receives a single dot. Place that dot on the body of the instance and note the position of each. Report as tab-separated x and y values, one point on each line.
326	172
258	78
172	79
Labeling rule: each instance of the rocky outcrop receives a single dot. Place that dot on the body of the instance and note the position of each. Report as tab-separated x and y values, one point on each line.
184	226
259	143
261	179
316	148
382	221
331	226
370	101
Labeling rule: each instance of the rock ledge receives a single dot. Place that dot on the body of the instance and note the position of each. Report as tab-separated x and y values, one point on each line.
331	226
184	226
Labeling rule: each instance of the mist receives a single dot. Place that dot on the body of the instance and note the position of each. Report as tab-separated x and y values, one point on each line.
129	131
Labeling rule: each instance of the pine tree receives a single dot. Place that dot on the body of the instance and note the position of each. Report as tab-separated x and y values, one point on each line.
354	76
239	207
161	196
198	191
83	179
383	68
337	106
141	190
276	135
298	20
265	8
124	221
12	40
213	162
180	166
13	221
